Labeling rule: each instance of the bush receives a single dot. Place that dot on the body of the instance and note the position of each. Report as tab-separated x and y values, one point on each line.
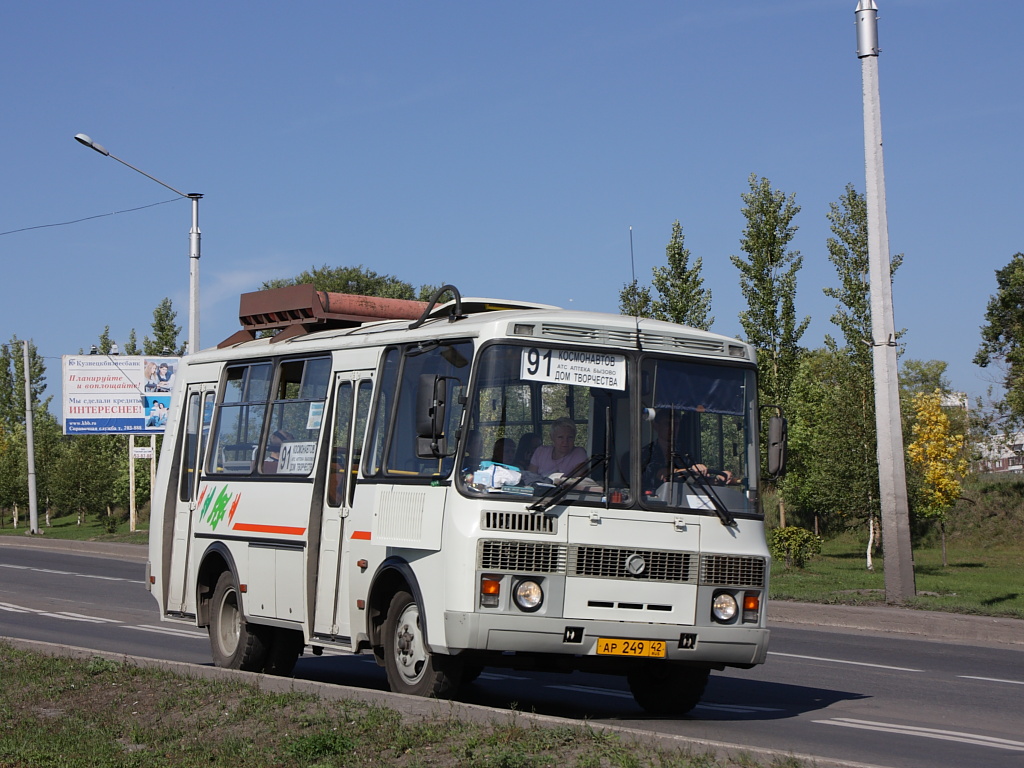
793	545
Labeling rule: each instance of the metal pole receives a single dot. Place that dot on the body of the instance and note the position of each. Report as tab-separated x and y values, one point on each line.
193	277
30	448
899	557
132	512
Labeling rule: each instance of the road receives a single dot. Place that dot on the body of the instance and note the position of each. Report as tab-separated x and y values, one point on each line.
863	696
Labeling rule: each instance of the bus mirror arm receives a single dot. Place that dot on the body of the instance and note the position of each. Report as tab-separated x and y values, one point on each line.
430	416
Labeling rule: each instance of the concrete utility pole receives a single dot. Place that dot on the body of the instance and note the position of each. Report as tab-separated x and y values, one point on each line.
892	474
30	449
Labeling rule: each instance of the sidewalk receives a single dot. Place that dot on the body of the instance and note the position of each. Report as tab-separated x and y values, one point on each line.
883	619
905	622
136	553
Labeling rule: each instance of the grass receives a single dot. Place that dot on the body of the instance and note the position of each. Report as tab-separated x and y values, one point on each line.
67	528
979	579
98	713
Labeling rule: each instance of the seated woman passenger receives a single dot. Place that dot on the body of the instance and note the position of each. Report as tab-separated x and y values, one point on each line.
563	455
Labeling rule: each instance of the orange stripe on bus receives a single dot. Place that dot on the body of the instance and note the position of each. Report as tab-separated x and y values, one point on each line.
364	535
280	529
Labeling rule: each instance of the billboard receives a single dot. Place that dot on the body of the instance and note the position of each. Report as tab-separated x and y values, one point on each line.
117	394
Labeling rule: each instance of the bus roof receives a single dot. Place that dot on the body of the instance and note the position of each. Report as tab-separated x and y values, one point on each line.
322	319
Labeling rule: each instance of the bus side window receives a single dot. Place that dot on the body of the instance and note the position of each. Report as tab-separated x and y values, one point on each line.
361	418
337	479
239	418
191	447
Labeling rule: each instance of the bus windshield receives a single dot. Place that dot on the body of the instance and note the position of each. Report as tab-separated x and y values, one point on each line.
557	425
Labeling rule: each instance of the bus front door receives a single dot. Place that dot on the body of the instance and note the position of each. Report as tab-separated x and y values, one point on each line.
351	409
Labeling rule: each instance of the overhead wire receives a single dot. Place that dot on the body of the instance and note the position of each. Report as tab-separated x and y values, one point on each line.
89	218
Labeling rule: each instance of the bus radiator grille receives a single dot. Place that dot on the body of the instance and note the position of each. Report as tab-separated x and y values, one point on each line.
728	570
520	522
522	557
648	565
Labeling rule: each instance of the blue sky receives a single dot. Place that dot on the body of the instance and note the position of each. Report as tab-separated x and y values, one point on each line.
503	147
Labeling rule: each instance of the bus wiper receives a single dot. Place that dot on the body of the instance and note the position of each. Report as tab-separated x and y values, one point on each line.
700	483
556	494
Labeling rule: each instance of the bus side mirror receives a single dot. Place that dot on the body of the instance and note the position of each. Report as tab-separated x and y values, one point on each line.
430	416
778	435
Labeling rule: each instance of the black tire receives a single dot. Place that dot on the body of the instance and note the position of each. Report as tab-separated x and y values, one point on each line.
410	665
668	691
285	648
235	643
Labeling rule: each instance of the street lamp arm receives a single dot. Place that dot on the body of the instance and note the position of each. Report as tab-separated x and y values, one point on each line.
81	138
193	240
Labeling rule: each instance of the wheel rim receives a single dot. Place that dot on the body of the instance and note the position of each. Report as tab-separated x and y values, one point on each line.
229	623
409	651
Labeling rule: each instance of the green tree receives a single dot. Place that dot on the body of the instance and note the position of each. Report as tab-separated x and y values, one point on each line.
635	300
131	347
768	282
681	296
1002	338
13	452
355	280
165	332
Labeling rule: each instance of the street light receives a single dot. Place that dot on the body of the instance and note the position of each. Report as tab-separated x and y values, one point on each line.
193	242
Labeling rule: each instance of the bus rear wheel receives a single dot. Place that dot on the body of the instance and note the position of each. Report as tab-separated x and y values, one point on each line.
668	691
410	665
234	642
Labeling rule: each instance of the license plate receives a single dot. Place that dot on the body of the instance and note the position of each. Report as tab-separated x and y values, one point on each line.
615	646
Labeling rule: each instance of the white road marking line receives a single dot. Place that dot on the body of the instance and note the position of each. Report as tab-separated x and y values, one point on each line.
737	708
499	676
992	679
588	689
168	631
66	615
843	661
13	608
82	617
68	573
929	733
70	617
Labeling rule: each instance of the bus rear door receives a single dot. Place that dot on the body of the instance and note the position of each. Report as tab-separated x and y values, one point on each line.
199	401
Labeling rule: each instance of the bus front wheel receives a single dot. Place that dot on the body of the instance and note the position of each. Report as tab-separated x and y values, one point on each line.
411	667
235	643
671	691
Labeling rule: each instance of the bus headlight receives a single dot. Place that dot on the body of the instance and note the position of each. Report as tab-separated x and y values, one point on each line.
528	596
724	607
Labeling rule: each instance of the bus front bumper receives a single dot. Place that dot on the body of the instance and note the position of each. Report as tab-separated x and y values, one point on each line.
733	645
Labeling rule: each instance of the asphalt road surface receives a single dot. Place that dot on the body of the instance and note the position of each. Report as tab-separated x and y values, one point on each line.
863	696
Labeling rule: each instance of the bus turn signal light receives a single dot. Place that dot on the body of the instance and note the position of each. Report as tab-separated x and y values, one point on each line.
751	607
490	592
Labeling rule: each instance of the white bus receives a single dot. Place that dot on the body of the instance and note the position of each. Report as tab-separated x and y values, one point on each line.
372	484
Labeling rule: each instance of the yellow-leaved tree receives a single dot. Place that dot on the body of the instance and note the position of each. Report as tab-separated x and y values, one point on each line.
939	455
